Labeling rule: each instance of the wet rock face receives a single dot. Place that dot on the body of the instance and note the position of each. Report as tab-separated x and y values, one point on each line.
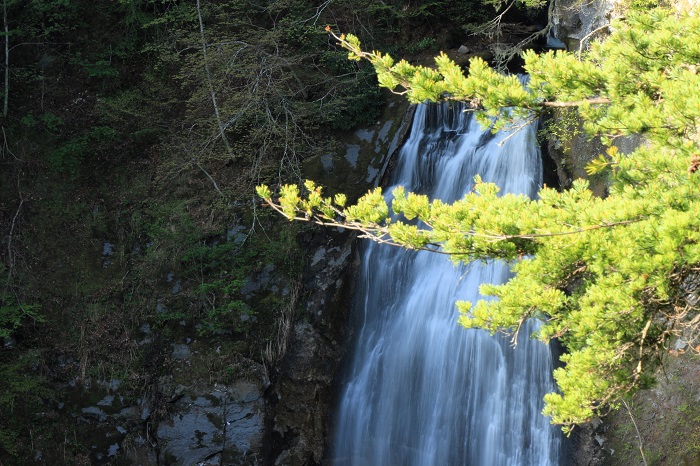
361	158
102	419
223	426
301	399
184	425
586	445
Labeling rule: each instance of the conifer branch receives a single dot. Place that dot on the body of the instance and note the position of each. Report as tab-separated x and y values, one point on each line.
577	103
379	233
376	233
384	65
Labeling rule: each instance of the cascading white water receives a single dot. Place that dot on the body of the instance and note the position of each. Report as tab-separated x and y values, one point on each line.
420	390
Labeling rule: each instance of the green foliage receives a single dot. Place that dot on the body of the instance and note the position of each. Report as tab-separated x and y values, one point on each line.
223	268
426	43
67	157
603	274
21	393
643	5
500	4
601	163
617	87
50	121
14	314
101	69
212	270
54	16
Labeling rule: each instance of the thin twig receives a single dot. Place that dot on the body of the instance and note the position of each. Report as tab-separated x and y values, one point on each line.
641	345
10	256
578	103
317	15
210	83
587	36
216	186
518	129
639	436
493	27
5	145
7	59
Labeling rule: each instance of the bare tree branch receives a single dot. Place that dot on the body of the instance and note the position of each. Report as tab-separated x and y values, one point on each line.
10	254
639	436
222	129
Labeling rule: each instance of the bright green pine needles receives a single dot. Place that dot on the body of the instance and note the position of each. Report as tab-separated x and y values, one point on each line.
603	274
638	80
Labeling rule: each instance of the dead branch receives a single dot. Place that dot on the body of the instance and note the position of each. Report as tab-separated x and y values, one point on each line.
10	255
222	129
639	436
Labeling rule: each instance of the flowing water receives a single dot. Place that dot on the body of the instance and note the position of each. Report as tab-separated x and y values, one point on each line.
421	390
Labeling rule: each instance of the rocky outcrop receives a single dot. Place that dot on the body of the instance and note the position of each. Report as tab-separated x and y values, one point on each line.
586	444
216	425
569	150
665	417
301	397
575	22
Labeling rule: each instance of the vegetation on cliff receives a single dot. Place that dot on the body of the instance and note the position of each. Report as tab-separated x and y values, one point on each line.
132	135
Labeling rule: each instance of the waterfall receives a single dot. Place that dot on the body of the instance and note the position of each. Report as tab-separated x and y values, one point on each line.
420	390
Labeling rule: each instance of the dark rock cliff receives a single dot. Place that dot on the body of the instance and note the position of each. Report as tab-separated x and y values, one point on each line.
302	394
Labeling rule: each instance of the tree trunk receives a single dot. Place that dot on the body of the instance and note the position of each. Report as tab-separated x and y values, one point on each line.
7	59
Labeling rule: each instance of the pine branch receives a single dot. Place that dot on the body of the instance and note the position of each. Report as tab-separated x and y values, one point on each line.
474	102
379	233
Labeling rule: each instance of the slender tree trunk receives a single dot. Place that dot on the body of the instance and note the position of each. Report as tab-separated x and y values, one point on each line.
222	129
7	59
